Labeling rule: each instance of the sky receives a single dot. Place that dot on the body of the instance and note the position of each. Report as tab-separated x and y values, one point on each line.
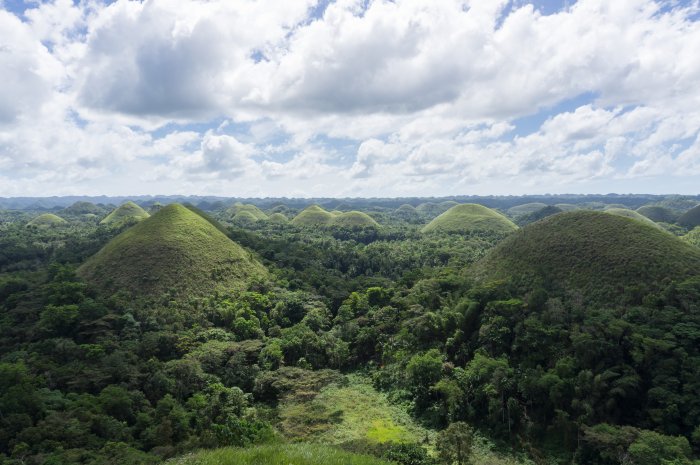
349	98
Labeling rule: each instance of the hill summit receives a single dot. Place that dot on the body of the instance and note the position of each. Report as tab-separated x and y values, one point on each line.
593	252
176	250
470	218
128	212
47	220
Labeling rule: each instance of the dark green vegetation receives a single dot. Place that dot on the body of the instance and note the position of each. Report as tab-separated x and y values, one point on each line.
46	220
538	215
126	214
194	338
176	251
693	237
691	218
470	218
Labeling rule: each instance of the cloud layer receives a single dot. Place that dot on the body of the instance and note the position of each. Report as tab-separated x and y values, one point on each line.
351	97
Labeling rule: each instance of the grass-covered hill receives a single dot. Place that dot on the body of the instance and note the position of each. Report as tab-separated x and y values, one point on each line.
280	454
542	213
658	213
47	220
627	213
174	250
691	218
313	216
595	252
128	212
470	218
278	218
567	207
239	208
244	218
354	219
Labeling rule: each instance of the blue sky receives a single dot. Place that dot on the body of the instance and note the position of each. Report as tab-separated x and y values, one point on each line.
349	97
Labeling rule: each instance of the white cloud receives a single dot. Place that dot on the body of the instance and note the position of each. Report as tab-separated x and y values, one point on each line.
423	97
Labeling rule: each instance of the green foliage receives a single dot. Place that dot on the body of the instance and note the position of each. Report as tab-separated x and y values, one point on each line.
693	237
470	218
174	251
454	444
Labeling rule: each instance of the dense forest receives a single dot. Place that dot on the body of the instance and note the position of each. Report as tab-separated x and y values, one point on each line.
358	331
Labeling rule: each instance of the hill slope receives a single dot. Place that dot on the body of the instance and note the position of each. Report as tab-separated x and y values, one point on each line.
83	208
468	218
47	220
658	213
175	249
631	214
126	213
590	251
691	218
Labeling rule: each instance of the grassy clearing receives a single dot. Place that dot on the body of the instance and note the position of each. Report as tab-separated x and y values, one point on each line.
349	412
278	454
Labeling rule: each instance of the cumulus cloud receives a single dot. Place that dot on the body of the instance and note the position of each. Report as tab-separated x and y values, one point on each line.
389	97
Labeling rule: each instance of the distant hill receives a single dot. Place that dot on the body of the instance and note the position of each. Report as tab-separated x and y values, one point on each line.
239	208
691	218
469	218
278	218
47	220
176	250
355	219
595	252
627	213
540	214
526	208
313	216
245	218
128	212
658	213
83	208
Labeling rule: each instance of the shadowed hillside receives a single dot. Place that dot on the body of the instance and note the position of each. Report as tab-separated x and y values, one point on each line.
588	251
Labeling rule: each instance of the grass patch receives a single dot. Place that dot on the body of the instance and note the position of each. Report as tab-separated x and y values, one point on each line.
349	412
278	454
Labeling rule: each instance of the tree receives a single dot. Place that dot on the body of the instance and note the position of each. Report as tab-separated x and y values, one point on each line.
454	444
